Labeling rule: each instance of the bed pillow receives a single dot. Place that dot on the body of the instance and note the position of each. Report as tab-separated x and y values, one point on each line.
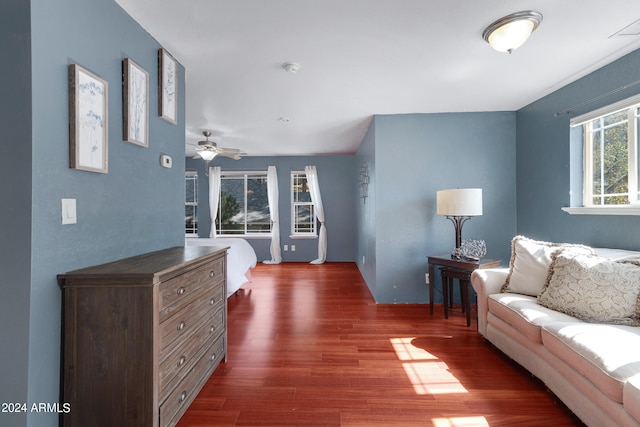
593	289
530	261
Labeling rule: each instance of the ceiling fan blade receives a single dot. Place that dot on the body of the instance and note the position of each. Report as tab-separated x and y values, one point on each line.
230	150
230	155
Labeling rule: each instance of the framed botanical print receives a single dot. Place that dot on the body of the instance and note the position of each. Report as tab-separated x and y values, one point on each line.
88	121
135	100
167	86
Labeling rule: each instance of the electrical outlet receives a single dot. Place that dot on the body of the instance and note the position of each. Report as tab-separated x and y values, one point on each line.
286	248
293	248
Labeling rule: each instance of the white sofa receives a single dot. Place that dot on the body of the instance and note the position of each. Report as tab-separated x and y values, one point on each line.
594	368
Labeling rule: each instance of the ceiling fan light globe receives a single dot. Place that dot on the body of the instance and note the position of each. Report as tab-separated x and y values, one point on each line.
207	155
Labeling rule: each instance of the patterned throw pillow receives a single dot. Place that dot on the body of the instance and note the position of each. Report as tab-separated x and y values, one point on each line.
594	289
530	261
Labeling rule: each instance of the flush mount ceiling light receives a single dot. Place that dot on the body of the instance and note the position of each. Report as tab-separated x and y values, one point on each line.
509	33
291	67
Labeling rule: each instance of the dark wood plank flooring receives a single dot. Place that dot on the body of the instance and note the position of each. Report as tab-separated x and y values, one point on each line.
308	346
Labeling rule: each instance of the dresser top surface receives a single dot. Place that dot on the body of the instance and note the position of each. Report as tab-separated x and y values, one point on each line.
152	265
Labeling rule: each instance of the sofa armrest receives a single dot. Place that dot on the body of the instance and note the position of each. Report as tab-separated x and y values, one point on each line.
486	282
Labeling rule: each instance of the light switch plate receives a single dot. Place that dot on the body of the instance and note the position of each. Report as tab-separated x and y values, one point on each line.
69	211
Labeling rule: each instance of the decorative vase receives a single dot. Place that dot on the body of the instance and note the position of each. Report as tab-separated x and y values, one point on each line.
473	249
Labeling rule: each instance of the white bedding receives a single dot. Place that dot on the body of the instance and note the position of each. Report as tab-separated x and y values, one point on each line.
240	259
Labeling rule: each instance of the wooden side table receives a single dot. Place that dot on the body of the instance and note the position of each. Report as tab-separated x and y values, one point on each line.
460	269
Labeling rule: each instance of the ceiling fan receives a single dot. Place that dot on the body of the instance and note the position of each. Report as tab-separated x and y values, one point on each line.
207	150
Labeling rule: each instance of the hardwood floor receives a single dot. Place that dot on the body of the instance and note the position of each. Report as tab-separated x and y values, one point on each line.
308	346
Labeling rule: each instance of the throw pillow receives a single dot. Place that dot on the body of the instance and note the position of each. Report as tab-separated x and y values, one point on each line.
593	289
530	261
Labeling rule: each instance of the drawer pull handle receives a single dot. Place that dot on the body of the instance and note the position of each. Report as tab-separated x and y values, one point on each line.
183	396
211	329
181	290
212	301
212	273
181	326
182	360
213	357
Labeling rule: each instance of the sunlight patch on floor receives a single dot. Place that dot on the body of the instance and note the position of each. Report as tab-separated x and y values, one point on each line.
460	422
407	351
427	374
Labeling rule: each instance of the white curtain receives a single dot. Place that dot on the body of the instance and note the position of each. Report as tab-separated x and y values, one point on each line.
214	197
272	195
314	189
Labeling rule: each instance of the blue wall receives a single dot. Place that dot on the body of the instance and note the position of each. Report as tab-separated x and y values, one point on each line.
137	207
15	209
544	166
411	157
337	178
366	211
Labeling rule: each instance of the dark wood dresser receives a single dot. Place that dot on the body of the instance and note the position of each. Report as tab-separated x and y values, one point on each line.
142	335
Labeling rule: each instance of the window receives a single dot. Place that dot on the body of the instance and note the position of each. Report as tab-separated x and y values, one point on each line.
303	222
244	204
191	204
610	154
610	141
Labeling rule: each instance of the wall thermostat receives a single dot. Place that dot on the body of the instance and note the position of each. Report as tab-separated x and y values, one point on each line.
166	161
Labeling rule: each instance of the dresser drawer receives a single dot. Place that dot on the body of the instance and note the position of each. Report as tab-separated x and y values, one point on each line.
174	406
180	291
186	321
182	359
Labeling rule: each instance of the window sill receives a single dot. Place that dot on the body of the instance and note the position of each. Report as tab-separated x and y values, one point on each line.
243	236
303	236
603	210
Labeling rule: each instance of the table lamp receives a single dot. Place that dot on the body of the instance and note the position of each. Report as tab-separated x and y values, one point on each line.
459	205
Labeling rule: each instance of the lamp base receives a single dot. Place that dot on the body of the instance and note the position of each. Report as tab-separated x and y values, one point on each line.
458	222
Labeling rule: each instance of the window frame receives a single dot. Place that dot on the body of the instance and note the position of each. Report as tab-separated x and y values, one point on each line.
191	175
295	233
245	175
632	105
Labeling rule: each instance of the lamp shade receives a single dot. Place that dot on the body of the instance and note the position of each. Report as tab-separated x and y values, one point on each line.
459	202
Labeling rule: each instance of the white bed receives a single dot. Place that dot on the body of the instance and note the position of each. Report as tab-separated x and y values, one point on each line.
241	258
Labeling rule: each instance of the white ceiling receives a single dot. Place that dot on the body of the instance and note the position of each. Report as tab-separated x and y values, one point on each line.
364	57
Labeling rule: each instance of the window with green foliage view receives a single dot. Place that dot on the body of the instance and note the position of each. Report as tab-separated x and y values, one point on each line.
611	158
244	204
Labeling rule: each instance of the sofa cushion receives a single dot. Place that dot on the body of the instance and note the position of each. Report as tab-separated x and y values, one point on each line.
607	355
616	254
631	396
524	314
593	289
529	264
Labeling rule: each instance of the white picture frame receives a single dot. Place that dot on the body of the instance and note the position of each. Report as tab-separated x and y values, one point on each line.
167	86
88	121
135	100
